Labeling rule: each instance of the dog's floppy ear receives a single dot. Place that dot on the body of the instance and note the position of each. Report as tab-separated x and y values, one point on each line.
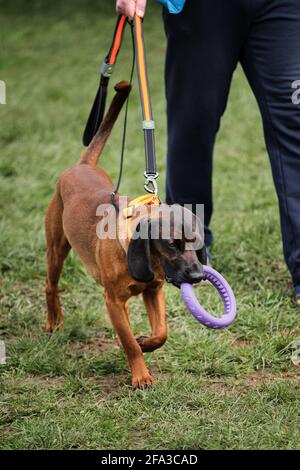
138	255
202	255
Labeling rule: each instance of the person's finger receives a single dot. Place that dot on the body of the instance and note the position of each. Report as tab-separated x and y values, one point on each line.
126	7
140	7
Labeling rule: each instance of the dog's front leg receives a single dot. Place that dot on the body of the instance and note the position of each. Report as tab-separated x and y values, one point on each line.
141	376
155	303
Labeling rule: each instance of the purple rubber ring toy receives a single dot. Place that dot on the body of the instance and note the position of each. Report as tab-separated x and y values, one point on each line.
226	294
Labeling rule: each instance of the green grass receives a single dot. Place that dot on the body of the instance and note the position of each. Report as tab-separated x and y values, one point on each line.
215	390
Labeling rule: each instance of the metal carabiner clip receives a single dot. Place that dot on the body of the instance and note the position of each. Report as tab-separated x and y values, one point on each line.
151	181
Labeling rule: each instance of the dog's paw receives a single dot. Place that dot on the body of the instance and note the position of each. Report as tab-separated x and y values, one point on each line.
150	343
142	381
140	339
50	328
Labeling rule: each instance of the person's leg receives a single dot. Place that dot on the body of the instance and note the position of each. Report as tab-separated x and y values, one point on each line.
271	60
203	48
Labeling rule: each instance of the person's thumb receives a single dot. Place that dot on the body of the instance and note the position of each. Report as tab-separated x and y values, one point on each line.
140	7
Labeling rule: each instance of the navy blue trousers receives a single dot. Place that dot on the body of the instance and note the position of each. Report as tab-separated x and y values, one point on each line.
204	45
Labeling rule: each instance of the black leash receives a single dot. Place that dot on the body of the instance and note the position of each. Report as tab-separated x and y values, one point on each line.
97	112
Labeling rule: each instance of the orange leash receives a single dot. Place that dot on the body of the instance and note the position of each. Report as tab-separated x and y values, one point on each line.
148	123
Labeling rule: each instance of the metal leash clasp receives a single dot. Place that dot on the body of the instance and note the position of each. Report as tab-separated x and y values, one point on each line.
151	181
106	69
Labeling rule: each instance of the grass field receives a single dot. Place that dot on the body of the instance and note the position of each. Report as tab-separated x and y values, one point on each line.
215	390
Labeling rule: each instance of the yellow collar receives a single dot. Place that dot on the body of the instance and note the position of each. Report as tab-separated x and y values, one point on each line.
147	199
128	212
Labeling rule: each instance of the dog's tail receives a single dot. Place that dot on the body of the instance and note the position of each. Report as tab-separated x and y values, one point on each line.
94	150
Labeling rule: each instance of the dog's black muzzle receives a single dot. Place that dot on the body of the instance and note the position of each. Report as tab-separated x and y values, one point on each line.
192	279
171	281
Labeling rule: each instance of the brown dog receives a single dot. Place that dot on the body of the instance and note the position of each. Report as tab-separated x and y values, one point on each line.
123	267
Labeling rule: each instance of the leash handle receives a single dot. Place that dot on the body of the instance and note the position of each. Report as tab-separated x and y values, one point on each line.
98	108
111	57
148	123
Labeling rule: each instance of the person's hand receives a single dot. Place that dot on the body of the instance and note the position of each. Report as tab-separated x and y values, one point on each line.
130	8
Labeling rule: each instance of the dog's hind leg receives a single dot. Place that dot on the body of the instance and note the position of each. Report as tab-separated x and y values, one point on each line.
58	248
156	308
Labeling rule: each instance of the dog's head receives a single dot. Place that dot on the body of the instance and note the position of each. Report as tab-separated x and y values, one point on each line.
172	235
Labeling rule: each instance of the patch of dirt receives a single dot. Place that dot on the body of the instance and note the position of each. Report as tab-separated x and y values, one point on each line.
6	430
43	381
230	386
97	345
278	266
109	384
160	375
286	332
225	387
241	343
266	376
35	381
113	384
